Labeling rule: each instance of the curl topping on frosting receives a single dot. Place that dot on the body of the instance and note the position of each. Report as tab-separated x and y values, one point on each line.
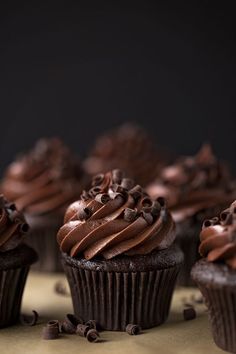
115	217
218	237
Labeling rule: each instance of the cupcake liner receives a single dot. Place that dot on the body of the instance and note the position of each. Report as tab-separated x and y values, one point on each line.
12	284
115	299
43	240
221	304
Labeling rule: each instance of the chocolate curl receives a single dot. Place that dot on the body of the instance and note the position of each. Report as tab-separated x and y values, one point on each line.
136	192
82	330
189	313
210	222
24	228
94	191
148	217
226	217
98	179
156	207
28	320
84	214
93	336
102	198
127	183
69	325
117	176
92	324
51	330
84	195
161	201
133	329
130	214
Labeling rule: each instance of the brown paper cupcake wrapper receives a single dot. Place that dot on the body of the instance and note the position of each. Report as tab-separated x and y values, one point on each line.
43	240
117	299
12	284
221	303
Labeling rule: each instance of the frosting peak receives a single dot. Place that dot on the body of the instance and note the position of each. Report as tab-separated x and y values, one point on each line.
115	217
13	226
218	237
44	180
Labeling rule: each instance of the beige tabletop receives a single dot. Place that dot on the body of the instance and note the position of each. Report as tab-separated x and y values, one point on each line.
175	336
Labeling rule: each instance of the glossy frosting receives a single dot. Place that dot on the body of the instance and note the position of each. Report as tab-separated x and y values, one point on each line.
13	226
194	184
115	217
45	180
129	148
218	237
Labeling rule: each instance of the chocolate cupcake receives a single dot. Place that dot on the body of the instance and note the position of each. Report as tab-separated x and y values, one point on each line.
196	188
129	148
43	183
215	275
118	254
15	260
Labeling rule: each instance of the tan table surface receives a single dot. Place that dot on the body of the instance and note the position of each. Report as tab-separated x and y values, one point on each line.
175	336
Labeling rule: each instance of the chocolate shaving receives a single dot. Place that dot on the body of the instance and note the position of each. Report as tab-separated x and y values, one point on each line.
133	329
82	330
127	183
98	179
102	198
84	214
117	176
60	289
93	336
28	320
130	214
69	325
189	314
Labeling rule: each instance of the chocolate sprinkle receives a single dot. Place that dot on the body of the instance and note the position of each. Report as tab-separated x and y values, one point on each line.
28	320
93	336
82	330
133	329
70	324
189	313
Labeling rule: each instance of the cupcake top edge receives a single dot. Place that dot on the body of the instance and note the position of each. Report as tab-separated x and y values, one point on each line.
45	179
194	184
218	237
13	226
115	217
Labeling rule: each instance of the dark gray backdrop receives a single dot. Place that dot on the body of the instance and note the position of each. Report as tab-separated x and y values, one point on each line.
74	69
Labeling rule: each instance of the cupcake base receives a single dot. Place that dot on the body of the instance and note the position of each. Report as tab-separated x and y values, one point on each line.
14	267
124	290
217	283
42	238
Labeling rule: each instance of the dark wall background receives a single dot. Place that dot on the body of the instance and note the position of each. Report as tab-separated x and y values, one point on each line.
74	69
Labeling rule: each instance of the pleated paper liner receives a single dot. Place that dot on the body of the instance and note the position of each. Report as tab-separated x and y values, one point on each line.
12	284
42	238
220	300
115	299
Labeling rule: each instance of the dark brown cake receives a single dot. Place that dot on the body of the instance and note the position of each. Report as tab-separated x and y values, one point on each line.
43	183
118	254
215	275
15	260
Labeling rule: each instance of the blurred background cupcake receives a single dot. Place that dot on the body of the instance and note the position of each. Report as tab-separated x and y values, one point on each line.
118	254
15	260
42	183
215	275
196	187
128	147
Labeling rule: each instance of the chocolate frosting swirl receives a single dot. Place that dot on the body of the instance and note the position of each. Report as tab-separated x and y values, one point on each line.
45	180
218	237
129	148
13	226
194	184
115	217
